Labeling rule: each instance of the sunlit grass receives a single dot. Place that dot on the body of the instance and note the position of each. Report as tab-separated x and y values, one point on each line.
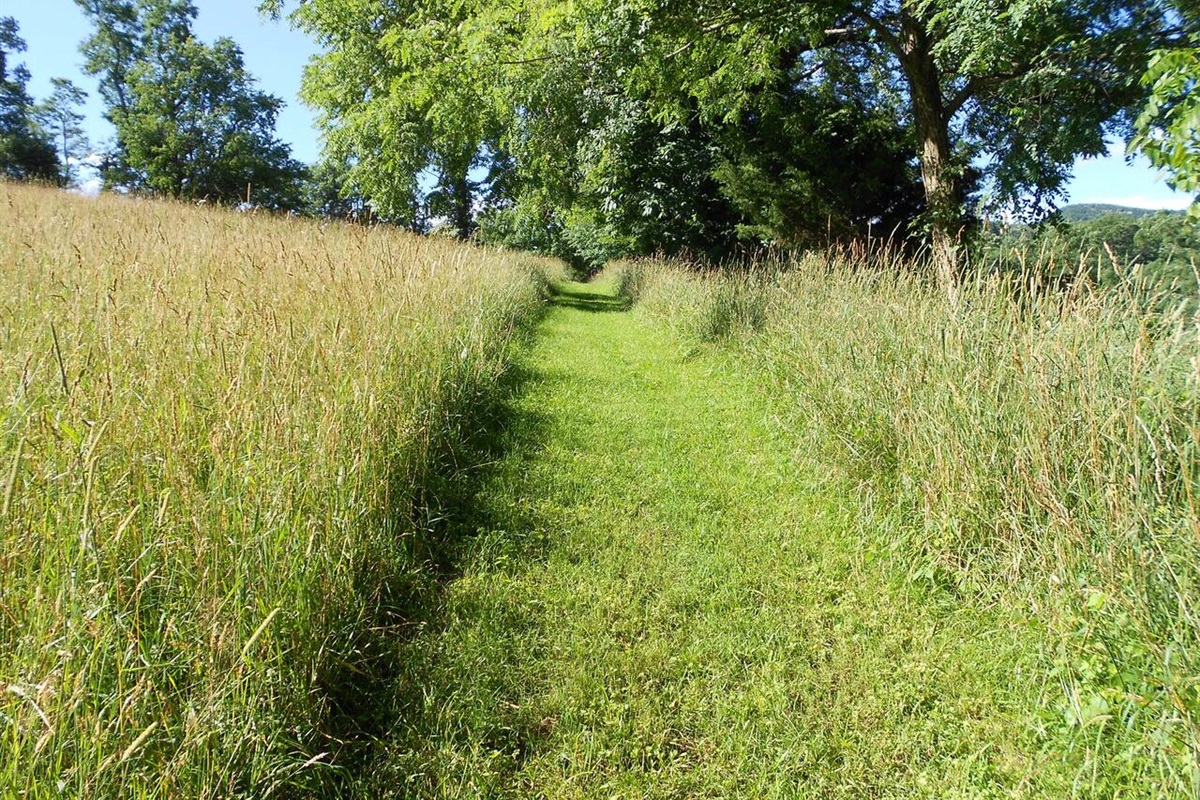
1034	449
954	549
218	434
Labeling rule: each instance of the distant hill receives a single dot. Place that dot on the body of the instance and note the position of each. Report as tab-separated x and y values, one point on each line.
1084	212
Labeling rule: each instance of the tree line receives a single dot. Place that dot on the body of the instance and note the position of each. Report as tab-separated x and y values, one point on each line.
1151	252
592	130
190	122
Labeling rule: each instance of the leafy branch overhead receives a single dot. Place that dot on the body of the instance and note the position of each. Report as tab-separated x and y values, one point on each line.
563	114
1169	126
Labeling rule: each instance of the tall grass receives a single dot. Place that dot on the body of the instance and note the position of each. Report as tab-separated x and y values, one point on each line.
1028	448
218	435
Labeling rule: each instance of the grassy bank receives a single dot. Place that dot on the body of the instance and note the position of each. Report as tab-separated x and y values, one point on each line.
1031	452
222	441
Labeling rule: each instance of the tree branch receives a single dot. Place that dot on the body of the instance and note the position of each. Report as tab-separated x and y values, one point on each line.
962	96
831	37
878	27
979	84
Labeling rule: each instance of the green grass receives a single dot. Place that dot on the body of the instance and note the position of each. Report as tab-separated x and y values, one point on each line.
300	510
225	441
659	598
1034	452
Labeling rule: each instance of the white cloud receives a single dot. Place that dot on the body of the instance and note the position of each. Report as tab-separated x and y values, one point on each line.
1175	203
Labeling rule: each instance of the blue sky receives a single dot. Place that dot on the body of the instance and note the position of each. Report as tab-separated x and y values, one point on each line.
275	55
1110	180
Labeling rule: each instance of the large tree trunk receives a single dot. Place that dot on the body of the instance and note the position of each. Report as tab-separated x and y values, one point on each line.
931	122
458	191
464	223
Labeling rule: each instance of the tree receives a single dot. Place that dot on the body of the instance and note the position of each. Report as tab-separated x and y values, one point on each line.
527	115
25	151
1168	129
113	48
652	188
190	122
810	163
60	116
110	53
198	129
1111	233
400	104
1021	86
330	195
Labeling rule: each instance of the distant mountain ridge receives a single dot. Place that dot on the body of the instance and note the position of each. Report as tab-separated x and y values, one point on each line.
1084	212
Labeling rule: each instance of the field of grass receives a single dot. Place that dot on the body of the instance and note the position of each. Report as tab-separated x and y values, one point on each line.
661	600
1032	453
225	442
301	510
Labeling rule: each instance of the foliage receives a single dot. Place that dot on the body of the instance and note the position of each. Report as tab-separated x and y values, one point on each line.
1085	212
540	104
330	194
400	104
26	153
823	110
800	166
1169	125
817	166
1155	253
1019	87
190	123
60	116
113	48
524	227
650	188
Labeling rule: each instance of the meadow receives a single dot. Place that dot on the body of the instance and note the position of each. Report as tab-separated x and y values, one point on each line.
223	437
291	508
1023	449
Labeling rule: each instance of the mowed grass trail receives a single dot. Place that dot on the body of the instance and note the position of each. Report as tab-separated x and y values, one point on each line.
651	601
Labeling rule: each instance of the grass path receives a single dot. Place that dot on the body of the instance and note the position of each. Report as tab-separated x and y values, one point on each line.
653	603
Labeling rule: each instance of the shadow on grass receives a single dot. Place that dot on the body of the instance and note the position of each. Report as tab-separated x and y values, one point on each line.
563	295
378	704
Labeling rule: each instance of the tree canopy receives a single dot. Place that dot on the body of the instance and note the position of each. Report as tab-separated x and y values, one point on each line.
26	152
692	124
190	122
